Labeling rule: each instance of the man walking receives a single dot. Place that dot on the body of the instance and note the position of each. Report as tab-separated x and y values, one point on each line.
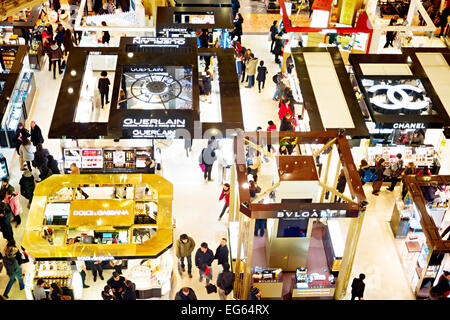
207	158
396	171
225	281
222	252
203	259
183	249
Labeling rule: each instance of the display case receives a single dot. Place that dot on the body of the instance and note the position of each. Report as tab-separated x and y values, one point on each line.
18	109
269	281
400	219
312	285
420	155
106	160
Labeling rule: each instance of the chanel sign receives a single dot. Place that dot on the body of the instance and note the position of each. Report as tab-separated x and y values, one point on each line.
400	98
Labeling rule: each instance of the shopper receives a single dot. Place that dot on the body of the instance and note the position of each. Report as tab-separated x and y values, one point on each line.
52	164
237	32
27	185
409	170
278	48
273	32
149	165
117	284
358	286
247	53
239	63
39	291
123	101
40	156
250	69
253	189
364	172
105	35
186	294
396	170
226	196
254	167
261	77
235	5
390	35
26	151
12	198
280	85
418	137
260	227
67	41
55	292
81	269
403	138
443	19
255	294
130	291
117	265
341	183
103	87
222	252
188	145
203	259
442	289
207	158
206	79
55	58
225	281
13	269
45	172
59	37
378	181
183	249
21	134
106	293
96	267
5	188
36	134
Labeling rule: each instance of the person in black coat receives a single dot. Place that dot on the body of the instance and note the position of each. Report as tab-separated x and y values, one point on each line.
5	221
225	281
261	77
358	287
186	294
237	32
27	185
40	156
103	87
342	181
390	35
130	291
273	32
222	252
203	258
277	49
36	134
52	164
21	134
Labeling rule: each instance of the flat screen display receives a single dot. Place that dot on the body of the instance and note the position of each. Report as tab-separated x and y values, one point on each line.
292	227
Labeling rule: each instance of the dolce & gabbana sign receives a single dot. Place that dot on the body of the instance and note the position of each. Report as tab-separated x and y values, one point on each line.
160	42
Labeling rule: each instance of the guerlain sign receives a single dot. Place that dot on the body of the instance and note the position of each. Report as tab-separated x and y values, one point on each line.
152	128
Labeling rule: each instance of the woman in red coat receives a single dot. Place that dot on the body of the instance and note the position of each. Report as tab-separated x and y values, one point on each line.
225	194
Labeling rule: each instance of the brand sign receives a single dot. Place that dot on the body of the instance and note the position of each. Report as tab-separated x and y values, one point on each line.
98	212
398	97
151	69
419	125
316	214
152	128
102	258
160	42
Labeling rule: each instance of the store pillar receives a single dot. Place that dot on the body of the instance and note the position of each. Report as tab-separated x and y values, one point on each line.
233	195
445	155
375	43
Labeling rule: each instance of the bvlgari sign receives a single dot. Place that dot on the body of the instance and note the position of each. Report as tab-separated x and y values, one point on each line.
326	213
152	128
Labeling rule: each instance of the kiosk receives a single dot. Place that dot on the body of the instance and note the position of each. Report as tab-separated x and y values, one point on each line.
419	224
306	254
126	217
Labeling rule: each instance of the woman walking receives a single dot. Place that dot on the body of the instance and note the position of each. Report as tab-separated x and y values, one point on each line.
12	198
225	194
261	77
379	169
26	151
13	268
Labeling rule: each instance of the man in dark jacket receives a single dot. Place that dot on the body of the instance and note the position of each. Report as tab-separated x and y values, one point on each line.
103	87
21	134
36	134
52	164
186	294
5	187
207	158
183	249
5	221
203	259
117	284
130	291
358	287
225	281
27	185
222	252
13	269
40	156
60	34
442	289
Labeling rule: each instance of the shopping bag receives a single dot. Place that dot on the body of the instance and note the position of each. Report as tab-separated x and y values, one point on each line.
210	288
206	270
202	166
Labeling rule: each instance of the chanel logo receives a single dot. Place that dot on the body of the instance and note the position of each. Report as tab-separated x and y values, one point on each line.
398	97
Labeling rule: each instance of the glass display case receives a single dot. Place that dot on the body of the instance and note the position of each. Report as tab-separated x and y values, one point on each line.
4	172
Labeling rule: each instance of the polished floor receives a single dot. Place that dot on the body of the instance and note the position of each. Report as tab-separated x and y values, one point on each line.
196	204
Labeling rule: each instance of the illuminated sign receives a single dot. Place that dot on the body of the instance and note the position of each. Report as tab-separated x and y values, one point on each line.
99	258
400	96
100	213
154	123
155	128
153	69
419	125
160	42
326	213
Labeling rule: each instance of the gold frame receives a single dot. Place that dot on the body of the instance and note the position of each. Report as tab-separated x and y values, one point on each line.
39	248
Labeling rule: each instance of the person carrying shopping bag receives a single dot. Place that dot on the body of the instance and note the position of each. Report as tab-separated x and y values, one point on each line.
12	198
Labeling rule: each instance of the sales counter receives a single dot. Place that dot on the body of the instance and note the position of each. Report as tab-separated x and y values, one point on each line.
125	217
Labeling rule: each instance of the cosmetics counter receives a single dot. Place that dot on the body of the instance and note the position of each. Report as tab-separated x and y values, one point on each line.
18	108
107	160
126	217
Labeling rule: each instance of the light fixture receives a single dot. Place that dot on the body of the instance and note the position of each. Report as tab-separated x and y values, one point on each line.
73	73
70	90
130	54
245	185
